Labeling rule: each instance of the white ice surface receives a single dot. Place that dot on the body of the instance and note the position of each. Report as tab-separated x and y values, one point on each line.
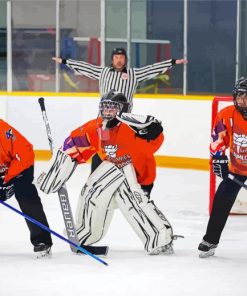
182	195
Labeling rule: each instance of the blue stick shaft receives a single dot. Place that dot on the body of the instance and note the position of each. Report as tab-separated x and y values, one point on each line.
53	232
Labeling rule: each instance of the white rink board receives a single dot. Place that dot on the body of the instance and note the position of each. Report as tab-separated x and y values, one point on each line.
3	107
186	122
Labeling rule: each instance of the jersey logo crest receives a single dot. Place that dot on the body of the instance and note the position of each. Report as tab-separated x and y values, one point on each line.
9	134
111	150
124	76
241	142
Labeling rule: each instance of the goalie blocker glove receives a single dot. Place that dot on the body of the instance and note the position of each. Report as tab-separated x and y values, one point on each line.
61	167
220	166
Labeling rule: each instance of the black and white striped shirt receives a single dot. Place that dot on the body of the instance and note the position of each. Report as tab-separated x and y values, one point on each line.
125	81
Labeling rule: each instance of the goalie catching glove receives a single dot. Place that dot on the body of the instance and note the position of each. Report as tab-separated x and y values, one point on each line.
145	126
61	167
220	166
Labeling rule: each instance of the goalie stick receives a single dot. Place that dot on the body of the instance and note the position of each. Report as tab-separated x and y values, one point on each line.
64	200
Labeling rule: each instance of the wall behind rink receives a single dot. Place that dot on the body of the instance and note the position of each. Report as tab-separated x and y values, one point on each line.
186	122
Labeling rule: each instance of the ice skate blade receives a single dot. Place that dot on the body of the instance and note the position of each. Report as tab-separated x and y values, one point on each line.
164	250
43	254
207	254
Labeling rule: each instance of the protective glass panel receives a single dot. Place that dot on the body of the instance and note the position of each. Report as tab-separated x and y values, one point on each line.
211	46
80	32
164	25
3	46
33	41
243	40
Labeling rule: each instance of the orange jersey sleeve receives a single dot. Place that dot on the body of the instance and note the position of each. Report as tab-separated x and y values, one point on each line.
16	153
219	138
83	142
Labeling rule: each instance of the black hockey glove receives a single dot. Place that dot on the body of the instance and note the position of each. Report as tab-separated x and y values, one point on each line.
6	189
150	132
220	166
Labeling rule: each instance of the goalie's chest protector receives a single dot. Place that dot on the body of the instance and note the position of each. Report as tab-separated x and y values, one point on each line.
121	146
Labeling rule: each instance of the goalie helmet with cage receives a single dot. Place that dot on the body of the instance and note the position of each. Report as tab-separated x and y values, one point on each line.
112	103
240	96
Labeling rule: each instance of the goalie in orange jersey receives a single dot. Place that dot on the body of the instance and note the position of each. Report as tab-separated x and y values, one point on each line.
126	144
16	176
230	132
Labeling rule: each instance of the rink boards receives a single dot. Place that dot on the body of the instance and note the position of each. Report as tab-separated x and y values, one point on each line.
186	121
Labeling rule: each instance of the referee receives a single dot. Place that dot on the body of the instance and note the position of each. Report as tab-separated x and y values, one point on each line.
118	77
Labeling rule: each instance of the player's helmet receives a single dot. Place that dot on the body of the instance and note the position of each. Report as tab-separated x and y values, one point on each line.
240	96
119	51
111	104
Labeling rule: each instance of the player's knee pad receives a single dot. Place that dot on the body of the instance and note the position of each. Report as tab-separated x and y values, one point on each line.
61	167
95	206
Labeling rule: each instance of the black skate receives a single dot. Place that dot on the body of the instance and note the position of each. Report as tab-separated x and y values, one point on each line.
42	250
207	249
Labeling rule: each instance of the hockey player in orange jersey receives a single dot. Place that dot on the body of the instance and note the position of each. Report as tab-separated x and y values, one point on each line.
123	178
230	132
16	176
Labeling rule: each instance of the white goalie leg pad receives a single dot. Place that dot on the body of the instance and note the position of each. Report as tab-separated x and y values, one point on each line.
95	206
61	166
145	218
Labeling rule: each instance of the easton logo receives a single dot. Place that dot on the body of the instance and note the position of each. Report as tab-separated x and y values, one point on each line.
218	161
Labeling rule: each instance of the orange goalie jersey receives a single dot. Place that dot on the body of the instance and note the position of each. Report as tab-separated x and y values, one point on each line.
119	145
16	153
230	131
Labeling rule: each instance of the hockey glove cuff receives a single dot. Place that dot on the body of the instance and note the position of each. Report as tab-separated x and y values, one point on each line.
6	189
220	166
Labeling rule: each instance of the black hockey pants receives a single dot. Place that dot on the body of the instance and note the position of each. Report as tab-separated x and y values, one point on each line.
30	204
224	199
96	161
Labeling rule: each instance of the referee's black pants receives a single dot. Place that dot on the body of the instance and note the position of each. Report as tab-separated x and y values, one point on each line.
224	199
30	204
